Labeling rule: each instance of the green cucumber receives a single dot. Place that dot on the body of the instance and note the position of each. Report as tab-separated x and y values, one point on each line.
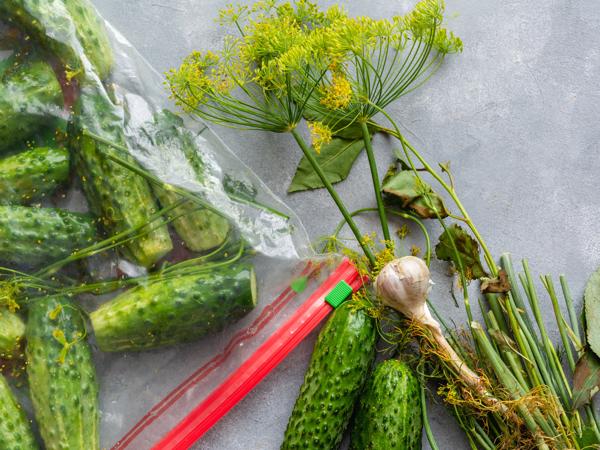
181	308
59	25
12	330
30	96
32	174
343	355
389	412
15	431
200	229
120	198
39	236
62	377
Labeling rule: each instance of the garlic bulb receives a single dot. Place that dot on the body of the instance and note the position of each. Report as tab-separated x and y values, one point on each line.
403	284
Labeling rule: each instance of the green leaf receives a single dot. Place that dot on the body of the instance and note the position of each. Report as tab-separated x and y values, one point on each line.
336	160
588	439
592	311
586	379
406	190
465	250
299	284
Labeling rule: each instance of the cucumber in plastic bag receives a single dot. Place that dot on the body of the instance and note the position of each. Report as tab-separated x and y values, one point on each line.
32	174
29	94
15	431
120	198
175	309
62	377
200	229
39	236
59	24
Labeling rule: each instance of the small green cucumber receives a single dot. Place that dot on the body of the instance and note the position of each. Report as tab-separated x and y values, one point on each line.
15	431
39	236
343	355
32	174
62	377
182	308
12	330
30	96
59	24
389	411
120	198
200	229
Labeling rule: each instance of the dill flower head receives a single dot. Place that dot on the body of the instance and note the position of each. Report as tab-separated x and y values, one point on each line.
320	135
338	93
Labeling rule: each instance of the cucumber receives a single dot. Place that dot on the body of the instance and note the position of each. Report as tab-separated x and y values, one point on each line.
12	330
32	174
39	236
200	229
181	308
15	431
343	355
119	197
30	96
62	378
389	412
59	24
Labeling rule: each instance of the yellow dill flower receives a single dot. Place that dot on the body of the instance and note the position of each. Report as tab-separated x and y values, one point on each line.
195	80
338	93
320	135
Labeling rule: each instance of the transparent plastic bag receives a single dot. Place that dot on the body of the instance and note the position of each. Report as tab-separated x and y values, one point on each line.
126	148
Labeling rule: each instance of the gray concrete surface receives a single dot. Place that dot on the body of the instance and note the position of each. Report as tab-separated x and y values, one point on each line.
516	114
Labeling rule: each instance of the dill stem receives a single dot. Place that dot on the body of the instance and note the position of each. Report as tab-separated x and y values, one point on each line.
425	417
334	195
376	184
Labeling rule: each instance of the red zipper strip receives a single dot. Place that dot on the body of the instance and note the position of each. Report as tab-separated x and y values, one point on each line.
259	364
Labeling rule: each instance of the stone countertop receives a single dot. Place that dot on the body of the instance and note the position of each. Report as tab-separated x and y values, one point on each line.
516	114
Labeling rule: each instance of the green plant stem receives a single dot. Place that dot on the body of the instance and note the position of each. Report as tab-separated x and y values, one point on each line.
426	424
376	184
333	193
448	188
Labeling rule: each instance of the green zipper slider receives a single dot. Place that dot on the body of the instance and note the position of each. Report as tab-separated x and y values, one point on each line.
338	294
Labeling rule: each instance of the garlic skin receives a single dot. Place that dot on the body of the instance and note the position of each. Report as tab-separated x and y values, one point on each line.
403	284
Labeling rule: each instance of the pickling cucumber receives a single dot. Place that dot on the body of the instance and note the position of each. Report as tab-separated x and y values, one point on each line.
389	411
200	229
176	309
30	96
12	330
120	198
15	431
62	377
39	236
343	355
60	25
32	174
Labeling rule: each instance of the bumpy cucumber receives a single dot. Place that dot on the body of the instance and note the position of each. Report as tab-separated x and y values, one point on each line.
30	96
122	199
15	432
177	309
200	229
62	378
59	24
40	236
32	174
389	412
12	330
341	360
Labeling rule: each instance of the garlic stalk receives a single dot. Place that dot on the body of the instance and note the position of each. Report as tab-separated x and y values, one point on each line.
403	284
